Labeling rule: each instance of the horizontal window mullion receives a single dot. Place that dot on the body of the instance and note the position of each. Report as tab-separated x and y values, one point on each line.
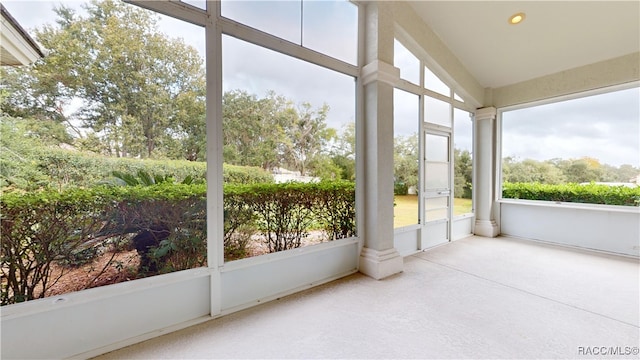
438	96
260	38
178	10
409	87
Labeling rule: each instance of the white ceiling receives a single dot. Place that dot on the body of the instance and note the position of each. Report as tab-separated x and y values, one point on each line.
555	36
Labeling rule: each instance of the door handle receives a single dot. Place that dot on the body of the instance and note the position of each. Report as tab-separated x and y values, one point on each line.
444	192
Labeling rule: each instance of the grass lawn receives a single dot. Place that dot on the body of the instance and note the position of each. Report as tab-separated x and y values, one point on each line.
406	209
461	206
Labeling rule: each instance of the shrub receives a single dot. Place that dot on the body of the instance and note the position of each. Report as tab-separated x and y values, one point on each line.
71	168
239	223
285	213
400	188
589	193
336	207
245	175
58	168
39	229
166	222
170	223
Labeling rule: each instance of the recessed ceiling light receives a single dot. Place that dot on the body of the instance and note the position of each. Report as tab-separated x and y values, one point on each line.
516	18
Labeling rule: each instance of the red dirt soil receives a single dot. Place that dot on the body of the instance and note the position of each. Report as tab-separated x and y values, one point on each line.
123	267
84	277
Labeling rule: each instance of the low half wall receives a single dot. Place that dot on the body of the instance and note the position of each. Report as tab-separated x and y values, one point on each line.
613	229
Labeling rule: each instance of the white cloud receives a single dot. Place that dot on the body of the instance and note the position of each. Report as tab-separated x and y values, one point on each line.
605	127
258	70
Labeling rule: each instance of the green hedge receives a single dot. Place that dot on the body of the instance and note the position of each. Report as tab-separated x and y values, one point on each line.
589	193
59	168
39	229
245	175
285	213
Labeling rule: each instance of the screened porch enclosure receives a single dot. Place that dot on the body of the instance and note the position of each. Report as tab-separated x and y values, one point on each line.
423	89
473	298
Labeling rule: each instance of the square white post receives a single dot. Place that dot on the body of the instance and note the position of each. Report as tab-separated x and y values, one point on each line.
379	258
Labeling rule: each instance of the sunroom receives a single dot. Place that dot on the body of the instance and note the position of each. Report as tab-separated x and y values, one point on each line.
429	85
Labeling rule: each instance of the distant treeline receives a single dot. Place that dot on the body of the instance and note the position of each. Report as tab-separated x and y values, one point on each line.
561	171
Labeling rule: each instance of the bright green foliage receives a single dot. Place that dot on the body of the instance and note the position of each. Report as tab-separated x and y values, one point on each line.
143	178
335	205
41	228
589	193
400	189
285	213
253	129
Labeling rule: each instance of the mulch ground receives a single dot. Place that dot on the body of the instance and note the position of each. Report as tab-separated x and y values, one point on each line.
108	268
111	268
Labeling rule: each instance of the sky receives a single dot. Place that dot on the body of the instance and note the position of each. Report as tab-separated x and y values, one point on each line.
257	70
406	106
605	127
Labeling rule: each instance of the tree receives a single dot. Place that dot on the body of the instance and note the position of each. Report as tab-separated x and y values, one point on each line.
558	171
272	132
18	168
581	170
343	153
529	170
627	172
406	160
128	78
254	129
463	173
189	134
309	137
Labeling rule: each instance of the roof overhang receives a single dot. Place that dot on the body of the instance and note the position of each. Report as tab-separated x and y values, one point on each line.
562	47
16	46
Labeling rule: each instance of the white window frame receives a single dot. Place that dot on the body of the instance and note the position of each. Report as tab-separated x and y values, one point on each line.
553	100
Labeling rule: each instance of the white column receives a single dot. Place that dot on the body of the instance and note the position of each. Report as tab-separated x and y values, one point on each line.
215	142
484	181
378	259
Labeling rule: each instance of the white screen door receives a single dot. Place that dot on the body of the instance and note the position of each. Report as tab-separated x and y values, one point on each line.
437	188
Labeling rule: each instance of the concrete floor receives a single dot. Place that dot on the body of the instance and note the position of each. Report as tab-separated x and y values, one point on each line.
473	298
